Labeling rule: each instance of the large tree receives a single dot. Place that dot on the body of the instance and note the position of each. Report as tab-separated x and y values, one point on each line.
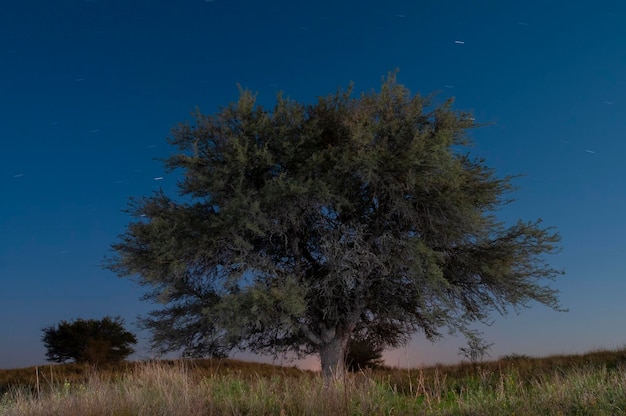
302	225
88	341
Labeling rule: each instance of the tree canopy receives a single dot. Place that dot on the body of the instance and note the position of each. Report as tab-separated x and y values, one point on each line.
299	226
88	341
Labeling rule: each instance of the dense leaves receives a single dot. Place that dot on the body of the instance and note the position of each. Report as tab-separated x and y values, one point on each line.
88	341
297	227
362	354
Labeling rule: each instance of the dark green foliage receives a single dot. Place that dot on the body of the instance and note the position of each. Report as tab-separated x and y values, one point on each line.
88	341
363	354
297	227
514	357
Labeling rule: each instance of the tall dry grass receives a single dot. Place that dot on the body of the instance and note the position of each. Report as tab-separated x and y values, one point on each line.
592	384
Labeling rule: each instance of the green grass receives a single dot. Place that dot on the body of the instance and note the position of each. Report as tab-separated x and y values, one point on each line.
587	384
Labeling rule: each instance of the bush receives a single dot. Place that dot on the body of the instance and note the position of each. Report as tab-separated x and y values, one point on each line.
88	341
362	354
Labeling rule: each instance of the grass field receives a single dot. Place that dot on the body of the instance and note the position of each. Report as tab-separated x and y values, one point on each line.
587	384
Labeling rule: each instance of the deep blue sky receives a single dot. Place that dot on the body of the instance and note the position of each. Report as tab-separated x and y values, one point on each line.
90	89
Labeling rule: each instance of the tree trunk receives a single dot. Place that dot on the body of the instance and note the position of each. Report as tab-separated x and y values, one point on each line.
332	354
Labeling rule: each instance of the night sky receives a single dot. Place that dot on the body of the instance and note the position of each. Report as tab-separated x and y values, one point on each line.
89	91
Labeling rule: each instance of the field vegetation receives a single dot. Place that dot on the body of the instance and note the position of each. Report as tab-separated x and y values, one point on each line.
588	384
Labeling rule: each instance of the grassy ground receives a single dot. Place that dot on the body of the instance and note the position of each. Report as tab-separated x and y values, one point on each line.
588	384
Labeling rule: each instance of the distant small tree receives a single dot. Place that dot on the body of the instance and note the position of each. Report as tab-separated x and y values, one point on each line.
363	353
476	348
88	341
